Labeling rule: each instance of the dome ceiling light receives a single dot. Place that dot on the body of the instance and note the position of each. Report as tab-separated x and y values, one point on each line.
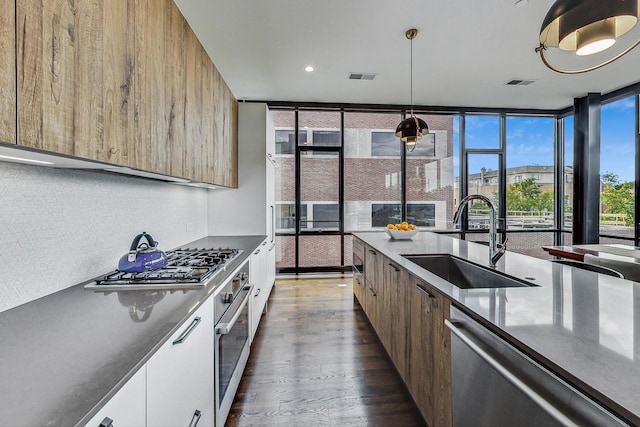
587	27
411	129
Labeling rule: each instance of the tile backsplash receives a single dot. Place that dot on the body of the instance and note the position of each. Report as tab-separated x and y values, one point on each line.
59	227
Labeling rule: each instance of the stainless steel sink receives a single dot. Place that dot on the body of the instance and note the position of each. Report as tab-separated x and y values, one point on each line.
465	274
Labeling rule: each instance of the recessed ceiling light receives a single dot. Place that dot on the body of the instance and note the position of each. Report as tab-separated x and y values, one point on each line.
308	68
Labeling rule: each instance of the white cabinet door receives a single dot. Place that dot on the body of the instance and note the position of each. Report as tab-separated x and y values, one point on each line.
127	407
257	276
271	205
180	382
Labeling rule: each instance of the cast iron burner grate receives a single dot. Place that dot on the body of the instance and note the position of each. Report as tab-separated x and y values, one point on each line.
185	268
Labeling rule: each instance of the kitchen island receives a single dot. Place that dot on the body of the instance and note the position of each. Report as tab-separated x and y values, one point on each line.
64	355
582	326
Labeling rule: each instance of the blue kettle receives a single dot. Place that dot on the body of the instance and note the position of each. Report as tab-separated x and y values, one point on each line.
143	255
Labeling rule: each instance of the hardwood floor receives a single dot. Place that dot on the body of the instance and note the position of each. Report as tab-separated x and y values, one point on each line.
316	361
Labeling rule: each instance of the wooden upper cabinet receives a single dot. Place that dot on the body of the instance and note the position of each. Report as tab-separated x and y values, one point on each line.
75	78
7	72
124	82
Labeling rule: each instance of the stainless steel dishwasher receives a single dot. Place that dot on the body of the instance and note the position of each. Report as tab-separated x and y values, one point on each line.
494	384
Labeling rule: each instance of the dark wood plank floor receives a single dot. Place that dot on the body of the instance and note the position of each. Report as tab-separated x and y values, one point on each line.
316	361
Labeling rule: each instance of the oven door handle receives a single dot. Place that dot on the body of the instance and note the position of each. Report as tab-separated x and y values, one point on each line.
231	316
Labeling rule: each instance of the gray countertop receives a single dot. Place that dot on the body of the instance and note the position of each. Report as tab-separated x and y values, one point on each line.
65	354
581	325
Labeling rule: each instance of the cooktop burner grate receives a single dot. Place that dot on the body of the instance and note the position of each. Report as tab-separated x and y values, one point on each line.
189	268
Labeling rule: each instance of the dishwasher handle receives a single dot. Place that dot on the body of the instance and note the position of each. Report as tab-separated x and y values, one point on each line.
543	403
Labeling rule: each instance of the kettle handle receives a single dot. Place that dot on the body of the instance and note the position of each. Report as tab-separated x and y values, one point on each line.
136	242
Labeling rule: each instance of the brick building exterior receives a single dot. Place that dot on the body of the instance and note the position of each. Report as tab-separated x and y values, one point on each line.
372	179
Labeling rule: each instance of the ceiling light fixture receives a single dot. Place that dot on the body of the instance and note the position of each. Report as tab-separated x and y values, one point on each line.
411	129
308	68
587	27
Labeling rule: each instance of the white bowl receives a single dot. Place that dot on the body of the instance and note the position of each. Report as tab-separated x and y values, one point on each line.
401	235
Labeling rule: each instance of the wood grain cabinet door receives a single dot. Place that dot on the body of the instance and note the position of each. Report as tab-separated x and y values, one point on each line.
429	366
75	77
420	368
124	82
8	72
396	316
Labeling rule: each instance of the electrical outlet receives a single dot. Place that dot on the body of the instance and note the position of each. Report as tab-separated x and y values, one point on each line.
188	227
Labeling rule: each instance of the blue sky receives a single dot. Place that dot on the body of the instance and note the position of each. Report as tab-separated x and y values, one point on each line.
617	139
530	140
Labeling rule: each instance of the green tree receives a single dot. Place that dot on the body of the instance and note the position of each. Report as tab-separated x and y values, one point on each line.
527	195
617	197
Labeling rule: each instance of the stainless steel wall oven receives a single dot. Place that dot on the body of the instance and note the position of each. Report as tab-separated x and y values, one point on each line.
232	339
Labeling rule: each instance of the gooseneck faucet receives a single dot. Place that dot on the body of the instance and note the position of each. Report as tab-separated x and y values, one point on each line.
495	250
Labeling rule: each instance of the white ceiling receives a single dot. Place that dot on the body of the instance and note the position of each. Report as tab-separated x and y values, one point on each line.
465	52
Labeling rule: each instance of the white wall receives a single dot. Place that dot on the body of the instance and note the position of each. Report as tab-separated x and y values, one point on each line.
243	210
60	227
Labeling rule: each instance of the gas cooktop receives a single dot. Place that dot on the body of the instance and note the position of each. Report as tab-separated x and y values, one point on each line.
186	269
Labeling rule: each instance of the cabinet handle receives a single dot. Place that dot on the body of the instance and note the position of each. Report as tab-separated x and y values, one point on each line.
107	422
273	225
182	338
195	419
233	313
424	291
394	267
258	293
372	292
257	252
372	252
264	243
543	403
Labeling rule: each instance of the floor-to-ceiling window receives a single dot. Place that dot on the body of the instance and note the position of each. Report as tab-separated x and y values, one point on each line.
429	169
617	172
567	180
320	154
530	183
340	172
511	160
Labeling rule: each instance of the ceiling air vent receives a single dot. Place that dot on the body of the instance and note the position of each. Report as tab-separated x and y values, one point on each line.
362	76
520	82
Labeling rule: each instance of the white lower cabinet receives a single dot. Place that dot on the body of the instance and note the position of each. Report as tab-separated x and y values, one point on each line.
127	407
180	389
261	285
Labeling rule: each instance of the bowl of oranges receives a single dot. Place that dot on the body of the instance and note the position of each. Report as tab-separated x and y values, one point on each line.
404	230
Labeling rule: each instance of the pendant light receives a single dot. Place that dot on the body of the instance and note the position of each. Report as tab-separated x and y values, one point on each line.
587	27
411	129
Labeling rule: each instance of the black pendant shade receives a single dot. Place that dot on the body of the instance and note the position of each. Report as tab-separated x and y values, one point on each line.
411	129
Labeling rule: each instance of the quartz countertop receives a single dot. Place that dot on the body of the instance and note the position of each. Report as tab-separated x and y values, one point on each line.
64	355
583	326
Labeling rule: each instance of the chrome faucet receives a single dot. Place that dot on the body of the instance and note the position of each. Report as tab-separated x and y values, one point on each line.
495	250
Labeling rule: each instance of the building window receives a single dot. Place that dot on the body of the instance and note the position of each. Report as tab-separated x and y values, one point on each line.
385	213
286	216
385	144
325	215
421	215
326	138
286	142
426	147
518	178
